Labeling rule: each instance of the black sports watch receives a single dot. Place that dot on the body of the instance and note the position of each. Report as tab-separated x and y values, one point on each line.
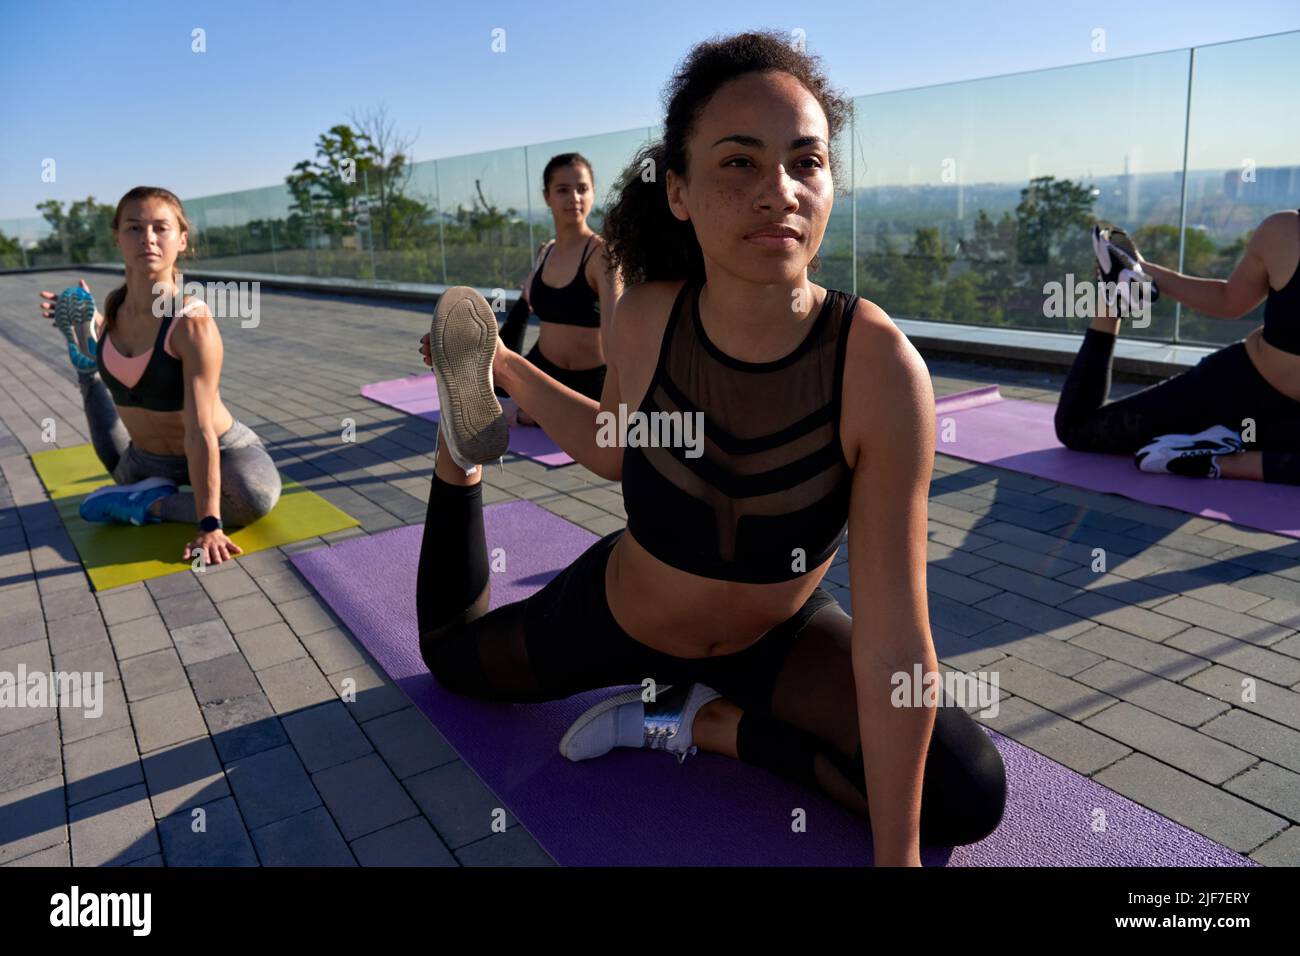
210	523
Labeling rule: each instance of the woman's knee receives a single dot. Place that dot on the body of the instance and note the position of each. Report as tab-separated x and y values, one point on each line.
966	782
246	498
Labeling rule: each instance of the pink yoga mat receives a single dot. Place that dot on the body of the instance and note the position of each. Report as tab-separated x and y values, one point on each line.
992	430
418	395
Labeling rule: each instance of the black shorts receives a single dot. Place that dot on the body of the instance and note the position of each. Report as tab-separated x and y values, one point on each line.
575	644
585	381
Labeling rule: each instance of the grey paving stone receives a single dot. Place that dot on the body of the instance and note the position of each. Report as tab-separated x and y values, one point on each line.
295	685
1152	625
77	630
222	679
307	615
283	587
126	604
186	610
367	693
1038	617
1200	806
957	617
1278	611
514	847
60	855
244	726
1227	596
325	736
964	653
32	818
457	803
1282	850
1275	703
1241	626
94	659
170	585
141	636
112	830
152	674
1168	741
1272	787
1060	657
1025	583
1230	652
1159	659
270	786
307	839
1171	700
184	776
1083	750
203	642
270	645
1116	587
333	650
101	764
30	755
248	612
76	724
169	718
215	838
408	743
948	583
363	796
226	581
1264	738
409	843
1059	694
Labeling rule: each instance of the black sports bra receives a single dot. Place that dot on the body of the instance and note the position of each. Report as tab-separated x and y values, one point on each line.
575	304
767	497
1282	315
162	384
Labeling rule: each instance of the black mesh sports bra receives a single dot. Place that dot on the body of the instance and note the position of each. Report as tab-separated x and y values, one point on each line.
768	499
1282	315
575	304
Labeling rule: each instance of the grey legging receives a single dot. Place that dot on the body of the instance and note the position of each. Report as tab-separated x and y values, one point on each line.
250	483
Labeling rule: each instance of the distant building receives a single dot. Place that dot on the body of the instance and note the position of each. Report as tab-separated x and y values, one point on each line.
1272	184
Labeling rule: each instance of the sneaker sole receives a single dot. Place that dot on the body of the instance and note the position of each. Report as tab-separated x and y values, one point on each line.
463	337
591	713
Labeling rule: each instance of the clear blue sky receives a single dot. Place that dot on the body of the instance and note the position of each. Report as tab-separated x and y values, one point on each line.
112	91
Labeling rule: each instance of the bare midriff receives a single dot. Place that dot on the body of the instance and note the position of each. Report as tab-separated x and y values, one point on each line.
685	615
1280	369
573	347
163	433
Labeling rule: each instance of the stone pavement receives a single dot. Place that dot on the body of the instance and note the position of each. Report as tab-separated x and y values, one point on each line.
222	690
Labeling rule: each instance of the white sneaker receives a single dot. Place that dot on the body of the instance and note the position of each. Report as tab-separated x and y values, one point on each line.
462	342
1193	456
625	721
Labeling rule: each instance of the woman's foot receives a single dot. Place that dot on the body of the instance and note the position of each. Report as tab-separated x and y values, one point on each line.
1118	263
462	342
126	504
624	720
1193	456
74	314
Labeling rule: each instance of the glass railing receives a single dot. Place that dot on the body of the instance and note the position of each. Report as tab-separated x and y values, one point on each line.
965	203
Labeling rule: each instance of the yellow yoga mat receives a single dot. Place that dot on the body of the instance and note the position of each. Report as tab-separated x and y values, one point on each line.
116	554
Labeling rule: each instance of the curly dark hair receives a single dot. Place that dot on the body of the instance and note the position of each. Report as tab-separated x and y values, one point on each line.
644	240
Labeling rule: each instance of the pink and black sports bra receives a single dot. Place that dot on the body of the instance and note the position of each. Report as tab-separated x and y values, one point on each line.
152	379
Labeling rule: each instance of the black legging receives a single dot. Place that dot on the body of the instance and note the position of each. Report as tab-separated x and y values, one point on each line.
1224	388
794	685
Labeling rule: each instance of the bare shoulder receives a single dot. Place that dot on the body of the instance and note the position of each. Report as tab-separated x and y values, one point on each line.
886	388
195	326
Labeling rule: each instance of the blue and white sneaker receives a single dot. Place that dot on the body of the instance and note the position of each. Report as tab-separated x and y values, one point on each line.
74	316
625	721
126	504
1193	456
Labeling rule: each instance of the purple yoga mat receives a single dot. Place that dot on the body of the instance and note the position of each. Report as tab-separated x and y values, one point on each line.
1020	436
634	807
418	395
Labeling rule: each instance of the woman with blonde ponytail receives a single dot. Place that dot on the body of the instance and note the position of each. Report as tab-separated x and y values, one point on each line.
151	393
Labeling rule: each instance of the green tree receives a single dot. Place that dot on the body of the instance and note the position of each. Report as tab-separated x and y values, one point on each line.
81	233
